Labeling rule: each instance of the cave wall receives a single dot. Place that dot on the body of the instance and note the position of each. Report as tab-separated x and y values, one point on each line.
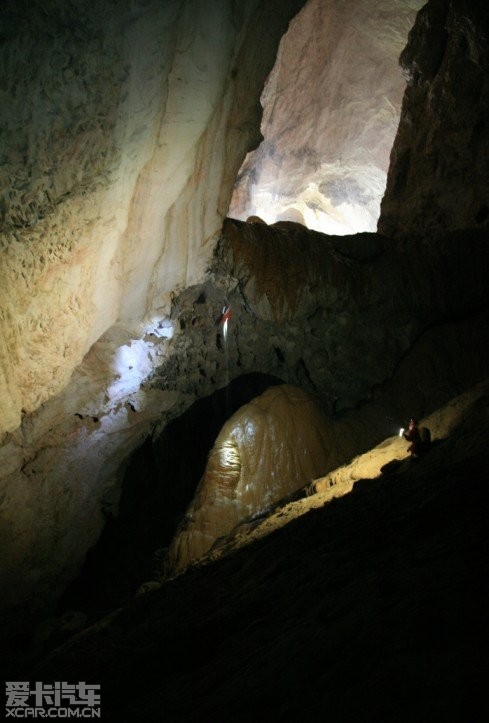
333	314
123	125
326	313
438	175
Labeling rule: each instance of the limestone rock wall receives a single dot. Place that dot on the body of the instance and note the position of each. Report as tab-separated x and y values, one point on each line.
331	110
438	177
338	313
123	125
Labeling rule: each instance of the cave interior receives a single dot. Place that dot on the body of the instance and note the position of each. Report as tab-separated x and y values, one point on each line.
241	246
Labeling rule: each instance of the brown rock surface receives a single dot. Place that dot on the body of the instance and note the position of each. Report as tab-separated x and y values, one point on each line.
371	607
438	178
122	130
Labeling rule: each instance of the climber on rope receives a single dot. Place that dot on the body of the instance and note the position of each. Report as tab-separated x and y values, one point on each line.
226	314
223	321
420	439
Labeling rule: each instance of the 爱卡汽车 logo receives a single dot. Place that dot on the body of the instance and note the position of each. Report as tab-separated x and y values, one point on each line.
52	700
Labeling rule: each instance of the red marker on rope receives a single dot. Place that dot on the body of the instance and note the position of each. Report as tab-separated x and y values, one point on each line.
226	314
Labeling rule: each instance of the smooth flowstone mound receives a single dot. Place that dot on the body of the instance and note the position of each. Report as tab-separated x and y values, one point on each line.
268	449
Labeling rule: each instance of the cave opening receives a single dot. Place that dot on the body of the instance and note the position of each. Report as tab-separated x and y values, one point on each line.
331	108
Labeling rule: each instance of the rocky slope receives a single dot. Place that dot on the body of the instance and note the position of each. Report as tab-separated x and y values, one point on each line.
369	607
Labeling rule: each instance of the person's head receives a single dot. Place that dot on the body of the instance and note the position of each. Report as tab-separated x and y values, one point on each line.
412	423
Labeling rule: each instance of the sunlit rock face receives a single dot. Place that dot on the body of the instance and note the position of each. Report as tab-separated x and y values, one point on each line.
123	126
268	449
331	109
439	174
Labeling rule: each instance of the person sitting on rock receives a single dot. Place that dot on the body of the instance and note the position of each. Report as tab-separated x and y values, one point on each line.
412	435
420	438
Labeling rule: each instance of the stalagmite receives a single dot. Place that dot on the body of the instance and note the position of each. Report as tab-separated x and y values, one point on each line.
268	449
